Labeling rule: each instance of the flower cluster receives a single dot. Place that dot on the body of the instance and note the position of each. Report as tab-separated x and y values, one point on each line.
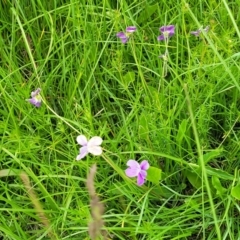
93	146
167	32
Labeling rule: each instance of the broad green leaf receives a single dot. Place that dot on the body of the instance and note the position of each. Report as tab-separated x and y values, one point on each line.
154	175
128	78
211	155
147	12
194	203
160	191
143	126
181	131
235	192
194	179
218	186
153	98
9	172
219	173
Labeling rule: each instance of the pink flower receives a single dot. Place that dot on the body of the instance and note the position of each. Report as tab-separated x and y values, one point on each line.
92	146
124	36
36	99
137	170
199	31
167	32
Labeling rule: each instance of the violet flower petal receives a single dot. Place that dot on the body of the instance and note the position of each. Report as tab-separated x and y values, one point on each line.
167	31
196	33
83	153
131	29
141	178
35	98
144	165
124	38
121	35
170	34
82	140
95	141
35	93
38	104
161	37
134	168
35	102
168	28
95	150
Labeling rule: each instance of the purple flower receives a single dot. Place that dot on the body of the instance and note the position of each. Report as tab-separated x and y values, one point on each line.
137	170
131	29
36	99
167	31
124	36
198	32
92	146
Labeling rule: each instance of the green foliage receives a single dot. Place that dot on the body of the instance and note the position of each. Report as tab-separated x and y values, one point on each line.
235	192
218	186
147	11
194	179
154	175
211	155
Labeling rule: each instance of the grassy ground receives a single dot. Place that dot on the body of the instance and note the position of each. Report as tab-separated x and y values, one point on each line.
181	115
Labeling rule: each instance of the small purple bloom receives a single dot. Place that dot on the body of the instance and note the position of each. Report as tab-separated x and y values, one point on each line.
198	32
124	36
92	146
137	170
167	31
131	29
36	99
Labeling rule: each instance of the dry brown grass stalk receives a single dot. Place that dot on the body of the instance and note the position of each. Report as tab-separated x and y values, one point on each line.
97	208
37	205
